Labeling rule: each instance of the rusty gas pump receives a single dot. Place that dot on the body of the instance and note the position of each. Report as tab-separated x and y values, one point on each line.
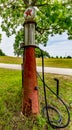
30	105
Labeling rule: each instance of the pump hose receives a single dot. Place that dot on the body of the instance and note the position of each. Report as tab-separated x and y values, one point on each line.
51	107
47	107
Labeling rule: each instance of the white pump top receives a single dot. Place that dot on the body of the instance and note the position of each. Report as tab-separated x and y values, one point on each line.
29	14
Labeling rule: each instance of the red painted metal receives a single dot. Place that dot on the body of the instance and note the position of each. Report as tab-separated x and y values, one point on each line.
30	103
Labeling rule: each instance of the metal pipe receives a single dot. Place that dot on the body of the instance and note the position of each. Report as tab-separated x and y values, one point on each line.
57	86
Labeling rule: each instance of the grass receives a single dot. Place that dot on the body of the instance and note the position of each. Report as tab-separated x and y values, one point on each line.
50	62
10	60
11	100
56	62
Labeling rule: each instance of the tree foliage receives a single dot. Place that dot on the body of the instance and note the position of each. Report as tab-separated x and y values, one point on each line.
19	39
1	53
52	17
38	53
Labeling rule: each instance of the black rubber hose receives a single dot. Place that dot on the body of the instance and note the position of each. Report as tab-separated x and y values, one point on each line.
59	120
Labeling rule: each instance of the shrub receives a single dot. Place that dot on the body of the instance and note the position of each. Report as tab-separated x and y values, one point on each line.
2	53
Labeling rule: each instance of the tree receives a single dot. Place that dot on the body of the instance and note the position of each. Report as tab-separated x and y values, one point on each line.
53	16
18	40
69	57
38	53
60	57
57	57
1	53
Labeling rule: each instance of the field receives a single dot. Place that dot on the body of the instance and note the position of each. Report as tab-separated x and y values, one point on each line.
56	62
11	100
50	62
10	60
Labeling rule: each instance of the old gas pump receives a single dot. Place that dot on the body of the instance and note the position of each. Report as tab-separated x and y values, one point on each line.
30	105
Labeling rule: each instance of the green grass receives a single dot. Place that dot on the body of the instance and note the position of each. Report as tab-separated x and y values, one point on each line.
53	62
11	100
10	60
50	62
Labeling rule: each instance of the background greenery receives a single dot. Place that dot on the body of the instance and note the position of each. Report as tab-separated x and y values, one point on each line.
1	53
52	17
50	62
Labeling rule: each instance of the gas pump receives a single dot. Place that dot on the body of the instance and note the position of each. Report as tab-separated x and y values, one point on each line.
30	104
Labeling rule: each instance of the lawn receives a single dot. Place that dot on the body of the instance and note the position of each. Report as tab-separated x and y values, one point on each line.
50	62
10	60
11	100
56	62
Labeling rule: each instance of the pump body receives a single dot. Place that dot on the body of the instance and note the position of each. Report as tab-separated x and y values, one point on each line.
30	105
